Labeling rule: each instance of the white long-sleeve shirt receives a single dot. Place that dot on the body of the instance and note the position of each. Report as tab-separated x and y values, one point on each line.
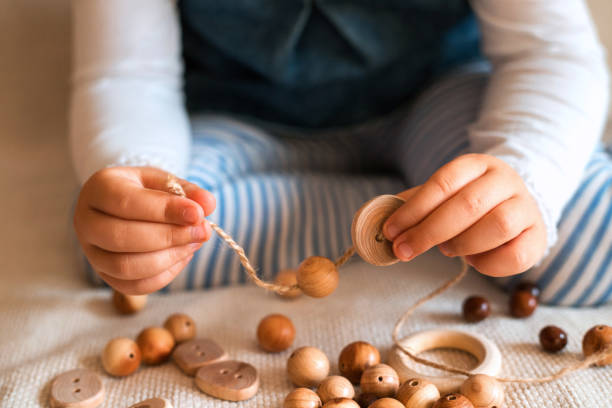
543	113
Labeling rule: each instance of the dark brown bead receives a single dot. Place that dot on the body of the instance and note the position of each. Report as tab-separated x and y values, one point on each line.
455	400
597	339
475	309
522	304
529	287
356	357
553	338
366	399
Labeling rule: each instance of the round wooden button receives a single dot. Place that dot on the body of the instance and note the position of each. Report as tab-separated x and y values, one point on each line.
196	353
228	380
181	326
80	388
153	403
366	230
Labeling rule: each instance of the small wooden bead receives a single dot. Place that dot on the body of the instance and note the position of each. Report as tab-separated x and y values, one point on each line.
156	344
417	393
275	333
356	357
381	380
522	304
317	276
80	388
483	391
366	399
181	326
341	403
121	357
529	287
553	338
387	403
302	398
128	304
453	401
595	340
307	367
476	309
335	386
288	277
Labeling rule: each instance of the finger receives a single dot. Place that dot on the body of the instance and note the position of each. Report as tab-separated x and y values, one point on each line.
406	194
443	184
135	266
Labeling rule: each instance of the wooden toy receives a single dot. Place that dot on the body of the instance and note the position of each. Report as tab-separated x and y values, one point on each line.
341	403
156	344
453	401
553	338
128	304
356	357
288	277
476	309
366	399
302	398
228	380
529	287
307	367
317	276
80	388
417	393
335	386
387	403
121	357
196	353
181	326
522	303
381	380
596	340
275	333
153	403
483	391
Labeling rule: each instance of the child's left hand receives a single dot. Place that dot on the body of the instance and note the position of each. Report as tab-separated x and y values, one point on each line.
476	206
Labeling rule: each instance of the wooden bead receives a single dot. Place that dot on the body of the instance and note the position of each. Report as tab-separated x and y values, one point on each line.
317	276
417	393
156	344
153	403
529	287
522	304
275	333
193	354
302	398
335	386
381	380
595	340
483	391
121	357
476	309
453	401
80	388
366	399
181	326
356	357
228	380
128	304
288	277
341	403
553	338
387	403
307	367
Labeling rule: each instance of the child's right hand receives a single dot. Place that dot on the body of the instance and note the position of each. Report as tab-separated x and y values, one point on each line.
136	235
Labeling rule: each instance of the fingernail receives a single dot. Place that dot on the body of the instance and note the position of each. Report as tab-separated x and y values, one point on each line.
444	249
195	246
404	252
392	232
207	230
191	215
198	233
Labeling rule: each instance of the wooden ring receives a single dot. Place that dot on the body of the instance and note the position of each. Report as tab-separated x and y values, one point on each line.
366	230
486	352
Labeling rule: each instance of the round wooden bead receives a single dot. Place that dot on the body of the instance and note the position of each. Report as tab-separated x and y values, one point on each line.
80	388
483	391
381	380
553	338
181	326
476	309
302	398
366	399
128	304
307	367
356	357
275	333
156	344
453	401
522	304
317	276
417	393
121	357
529	287
335	386
387	403
595	340
288	277
341	403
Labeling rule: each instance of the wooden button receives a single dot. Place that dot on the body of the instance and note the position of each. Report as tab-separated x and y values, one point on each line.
80	388
366	230
121	357
317	276
341	403
522	303
302	398
483	391
275	333
595	340
228	380
156	344
417	393
553	339
356	357
307	367
128	304
335	386
153	403
288	277
476	309
453	401
196	353
387	403
181	326
381	380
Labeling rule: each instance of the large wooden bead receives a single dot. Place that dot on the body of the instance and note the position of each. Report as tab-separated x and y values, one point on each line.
453	401
381	380
476	309
302	398
595	340
128	304
275	333
522	303
335	386
121	357
387	403
483	391
288	277
307	367
341	403
356	357
553	338
418	393
317	276
156	344
181	326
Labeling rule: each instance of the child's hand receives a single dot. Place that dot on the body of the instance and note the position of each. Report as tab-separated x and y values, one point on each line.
136	235
476	206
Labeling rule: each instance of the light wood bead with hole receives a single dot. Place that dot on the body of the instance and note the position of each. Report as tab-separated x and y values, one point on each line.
181	326
418	393
483	391
307	367
335	386
128	304
121	357
387	403
381	380
156	344
595	340
275	333
356	357
454	400
288	277
302	398
341	403
317	276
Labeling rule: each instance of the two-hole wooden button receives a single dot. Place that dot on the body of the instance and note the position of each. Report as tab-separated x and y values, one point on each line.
228	380
196	353
153	403
80	388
